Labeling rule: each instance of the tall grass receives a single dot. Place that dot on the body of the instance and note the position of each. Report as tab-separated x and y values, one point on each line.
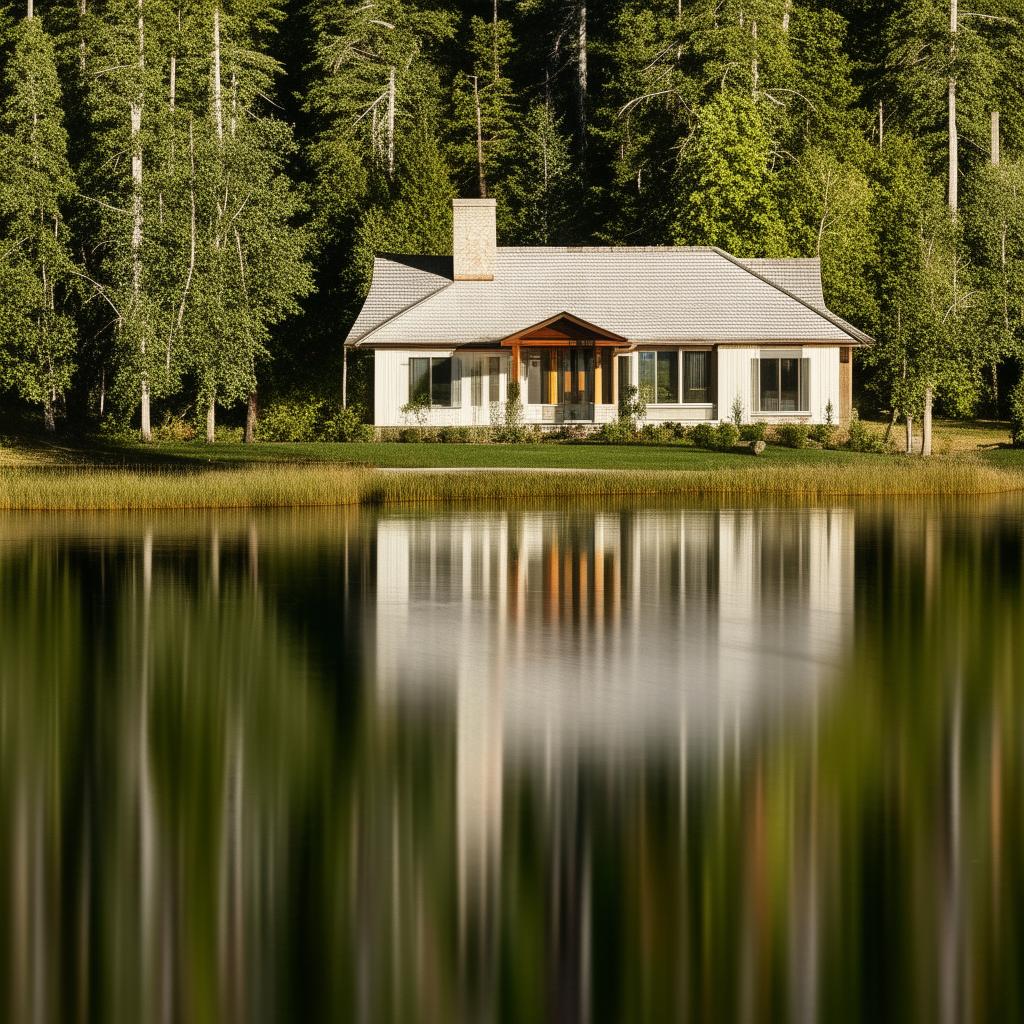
273	486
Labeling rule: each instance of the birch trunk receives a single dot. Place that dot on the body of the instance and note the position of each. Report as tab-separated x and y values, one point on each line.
755	71
954	25
910	435
218	126
391	122
218	97
481	177
250	419
994	137
136	247
581	68
926	423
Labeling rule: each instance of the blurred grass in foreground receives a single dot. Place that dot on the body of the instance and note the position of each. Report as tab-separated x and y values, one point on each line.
270	486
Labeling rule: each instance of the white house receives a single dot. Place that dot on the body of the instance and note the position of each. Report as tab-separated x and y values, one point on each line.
695	328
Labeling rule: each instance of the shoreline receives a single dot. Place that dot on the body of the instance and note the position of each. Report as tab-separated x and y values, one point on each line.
254	486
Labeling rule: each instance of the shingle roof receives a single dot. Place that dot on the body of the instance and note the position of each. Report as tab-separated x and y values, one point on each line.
678	294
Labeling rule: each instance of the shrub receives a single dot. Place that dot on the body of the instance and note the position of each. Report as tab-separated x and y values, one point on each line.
617	432
702	435
347	425
632	406
727	435
753	431
566	432
792	435
454	435
860	439
174	428
416	410
737	412
228	435
1017	414
311	420
656	433
822	433
290	421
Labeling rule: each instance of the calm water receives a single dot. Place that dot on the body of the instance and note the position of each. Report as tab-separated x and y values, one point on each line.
608	764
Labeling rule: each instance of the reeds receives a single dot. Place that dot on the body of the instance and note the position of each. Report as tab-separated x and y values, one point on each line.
274	486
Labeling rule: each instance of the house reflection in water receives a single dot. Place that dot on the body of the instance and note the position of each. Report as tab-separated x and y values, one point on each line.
559	638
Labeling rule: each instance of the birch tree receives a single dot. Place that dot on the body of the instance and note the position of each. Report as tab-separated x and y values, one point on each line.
37	334
251	265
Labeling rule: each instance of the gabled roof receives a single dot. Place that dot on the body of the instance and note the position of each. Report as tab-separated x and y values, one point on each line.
675	294
564	327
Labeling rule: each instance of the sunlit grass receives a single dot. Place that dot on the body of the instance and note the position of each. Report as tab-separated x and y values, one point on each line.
270	486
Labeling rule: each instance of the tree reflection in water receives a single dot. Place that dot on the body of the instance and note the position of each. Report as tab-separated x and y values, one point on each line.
594	764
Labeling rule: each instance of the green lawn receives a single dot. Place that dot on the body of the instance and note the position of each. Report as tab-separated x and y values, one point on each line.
550	455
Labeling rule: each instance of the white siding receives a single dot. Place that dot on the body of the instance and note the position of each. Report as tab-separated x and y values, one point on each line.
735	378
391	388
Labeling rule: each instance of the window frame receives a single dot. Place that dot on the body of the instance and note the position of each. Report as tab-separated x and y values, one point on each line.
657	354
708	376
454	381
803	384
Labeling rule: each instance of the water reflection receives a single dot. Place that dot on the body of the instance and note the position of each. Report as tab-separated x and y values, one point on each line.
592	765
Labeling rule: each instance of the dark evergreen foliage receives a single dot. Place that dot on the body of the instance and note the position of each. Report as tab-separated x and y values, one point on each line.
269	167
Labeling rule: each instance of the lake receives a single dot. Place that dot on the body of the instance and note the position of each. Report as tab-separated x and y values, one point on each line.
588	763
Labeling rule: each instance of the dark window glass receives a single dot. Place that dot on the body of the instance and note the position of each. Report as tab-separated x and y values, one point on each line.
441	382
494	375
624	373
477	383
696	382
659	377
769	385
419	379
789	385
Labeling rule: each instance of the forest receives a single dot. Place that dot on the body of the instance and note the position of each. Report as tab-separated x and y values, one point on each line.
191	191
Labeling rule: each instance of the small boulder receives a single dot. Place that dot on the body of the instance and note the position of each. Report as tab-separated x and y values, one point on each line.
757	447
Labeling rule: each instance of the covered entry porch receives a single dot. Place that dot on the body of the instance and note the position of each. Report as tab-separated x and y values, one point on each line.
567	370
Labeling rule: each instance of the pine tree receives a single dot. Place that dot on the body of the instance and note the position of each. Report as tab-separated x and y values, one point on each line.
415	212
483	107
537	203
38	338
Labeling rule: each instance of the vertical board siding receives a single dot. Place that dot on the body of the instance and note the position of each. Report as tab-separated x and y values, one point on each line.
391	387
735	377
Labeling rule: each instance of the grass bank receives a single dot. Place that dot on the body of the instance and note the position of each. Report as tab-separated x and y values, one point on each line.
272	486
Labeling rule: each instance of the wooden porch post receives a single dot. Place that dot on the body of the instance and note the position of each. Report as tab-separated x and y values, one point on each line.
615	378
552	389
598	358
514	375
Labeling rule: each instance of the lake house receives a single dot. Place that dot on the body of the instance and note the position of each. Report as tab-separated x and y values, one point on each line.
700	332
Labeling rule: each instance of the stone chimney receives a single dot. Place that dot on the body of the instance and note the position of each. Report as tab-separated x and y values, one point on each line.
474	239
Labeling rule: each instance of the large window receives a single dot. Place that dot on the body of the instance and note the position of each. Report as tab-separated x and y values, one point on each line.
697	377
781	384
494	378
476	388
435	380
659	377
